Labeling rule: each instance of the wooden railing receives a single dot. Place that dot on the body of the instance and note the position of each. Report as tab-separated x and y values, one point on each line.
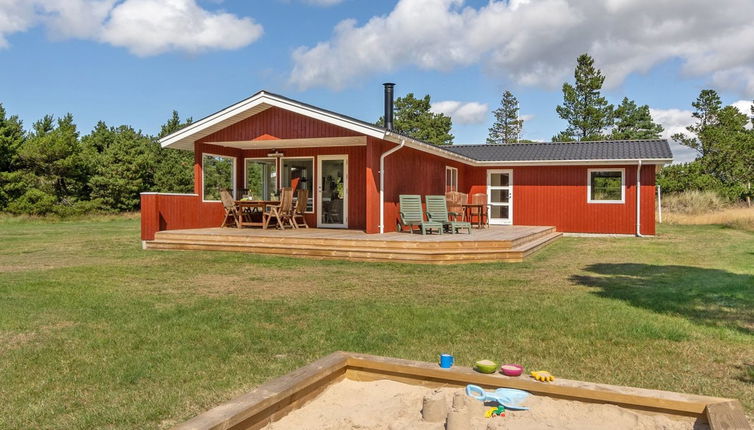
166	211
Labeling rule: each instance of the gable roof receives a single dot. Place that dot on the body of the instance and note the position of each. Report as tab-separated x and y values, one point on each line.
656	151
652	149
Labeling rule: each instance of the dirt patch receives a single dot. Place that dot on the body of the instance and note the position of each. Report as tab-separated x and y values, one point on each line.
10	341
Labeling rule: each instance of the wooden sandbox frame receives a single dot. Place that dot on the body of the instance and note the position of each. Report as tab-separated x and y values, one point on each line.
275	399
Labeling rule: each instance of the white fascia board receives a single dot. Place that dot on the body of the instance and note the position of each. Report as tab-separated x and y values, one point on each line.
211	120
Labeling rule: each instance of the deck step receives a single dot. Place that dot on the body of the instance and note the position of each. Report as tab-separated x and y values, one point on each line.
324	248
445	244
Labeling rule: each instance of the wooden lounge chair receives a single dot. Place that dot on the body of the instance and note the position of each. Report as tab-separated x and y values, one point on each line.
412	215
302	199
282	212
437	210
232	214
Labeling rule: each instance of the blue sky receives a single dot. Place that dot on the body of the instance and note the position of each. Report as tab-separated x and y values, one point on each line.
134	61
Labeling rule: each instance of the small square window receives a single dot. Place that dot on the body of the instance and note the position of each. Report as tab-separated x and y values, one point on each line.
606	186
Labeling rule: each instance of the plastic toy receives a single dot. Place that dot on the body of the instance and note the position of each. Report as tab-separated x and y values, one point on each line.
542	376
485	366
512	369
506	397
495	412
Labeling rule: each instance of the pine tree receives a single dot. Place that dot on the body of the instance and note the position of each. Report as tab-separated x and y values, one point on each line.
125	170
52	152
587	112
414	118
507	127
11	138
707	107
174	169
634	122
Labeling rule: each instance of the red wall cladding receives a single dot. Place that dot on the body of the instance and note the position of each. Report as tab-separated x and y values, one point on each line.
278	123
177	211
557	196
409	171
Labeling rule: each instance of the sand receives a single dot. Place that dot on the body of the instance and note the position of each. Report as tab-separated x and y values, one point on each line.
390	405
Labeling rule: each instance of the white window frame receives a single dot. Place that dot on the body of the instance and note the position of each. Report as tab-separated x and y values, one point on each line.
246	171
622	185
314	178
233	175
453	174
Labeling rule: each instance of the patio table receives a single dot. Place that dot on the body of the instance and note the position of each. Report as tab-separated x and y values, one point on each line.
472	208
248	207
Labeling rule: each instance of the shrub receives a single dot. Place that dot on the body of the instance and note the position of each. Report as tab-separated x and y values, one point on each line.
33	202
693	202
78	208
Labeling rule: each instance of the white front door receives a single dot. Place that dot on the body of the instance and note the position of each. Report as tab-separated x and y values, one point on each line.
500	196
332	191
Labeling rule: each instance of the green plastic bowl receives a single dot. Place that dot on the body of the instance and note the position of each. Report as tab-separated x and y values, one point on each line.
485	366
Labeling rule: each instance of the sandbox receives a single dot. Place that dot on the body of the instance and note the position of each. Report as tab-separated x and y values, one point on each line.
347	390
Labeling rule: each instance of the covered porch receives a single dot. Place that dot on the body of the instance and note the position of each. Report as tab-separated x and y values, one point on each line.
494	244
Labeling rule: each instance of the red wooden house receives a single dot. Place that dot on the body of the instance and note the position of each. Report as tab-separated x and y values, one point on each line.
355	172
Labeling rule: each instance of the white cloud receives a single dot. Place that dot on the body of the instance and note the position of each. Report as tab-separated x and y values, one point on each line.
150	27
743	106
144	27
535	42
323	3
675	121
15	16
462	112
527	117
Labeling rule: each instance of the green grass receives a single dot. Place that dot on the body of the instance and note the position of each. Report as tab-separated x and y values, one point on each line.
96	333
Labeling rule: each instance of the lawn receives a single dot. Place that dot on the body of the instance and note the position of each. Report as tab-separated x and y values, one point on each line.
96	333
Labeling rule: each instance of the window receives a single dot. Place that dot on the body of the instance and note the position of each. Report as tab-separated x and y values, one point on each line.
298	173
606	185
217	173
261	178
451	179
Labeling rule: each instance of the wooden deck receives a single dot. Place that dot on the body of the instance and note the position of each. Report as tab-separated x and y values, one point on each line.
498	243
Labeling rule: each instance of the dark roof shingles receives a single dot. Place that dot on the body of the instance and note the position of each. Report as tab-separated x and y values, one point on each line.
602	150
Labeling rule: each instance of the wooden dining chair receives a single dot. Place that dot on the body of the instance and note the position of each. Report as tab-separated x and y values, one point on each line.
232	213
481	199
455	208
302	199
281	212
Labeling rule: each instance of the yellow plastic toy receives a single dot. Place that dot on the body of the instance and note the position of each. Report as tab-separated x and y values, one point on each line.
542	376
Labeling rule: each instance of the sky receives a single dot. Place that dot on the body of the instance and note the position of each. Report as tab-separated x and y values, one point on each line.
135	61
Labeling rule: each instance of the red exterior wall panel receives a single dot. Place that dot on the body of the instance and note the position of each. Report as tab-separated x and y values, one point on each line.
557	196
177	211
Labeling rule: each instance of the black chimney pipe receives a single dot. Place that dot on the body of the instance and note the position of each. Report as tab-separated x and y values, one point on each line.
389	105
